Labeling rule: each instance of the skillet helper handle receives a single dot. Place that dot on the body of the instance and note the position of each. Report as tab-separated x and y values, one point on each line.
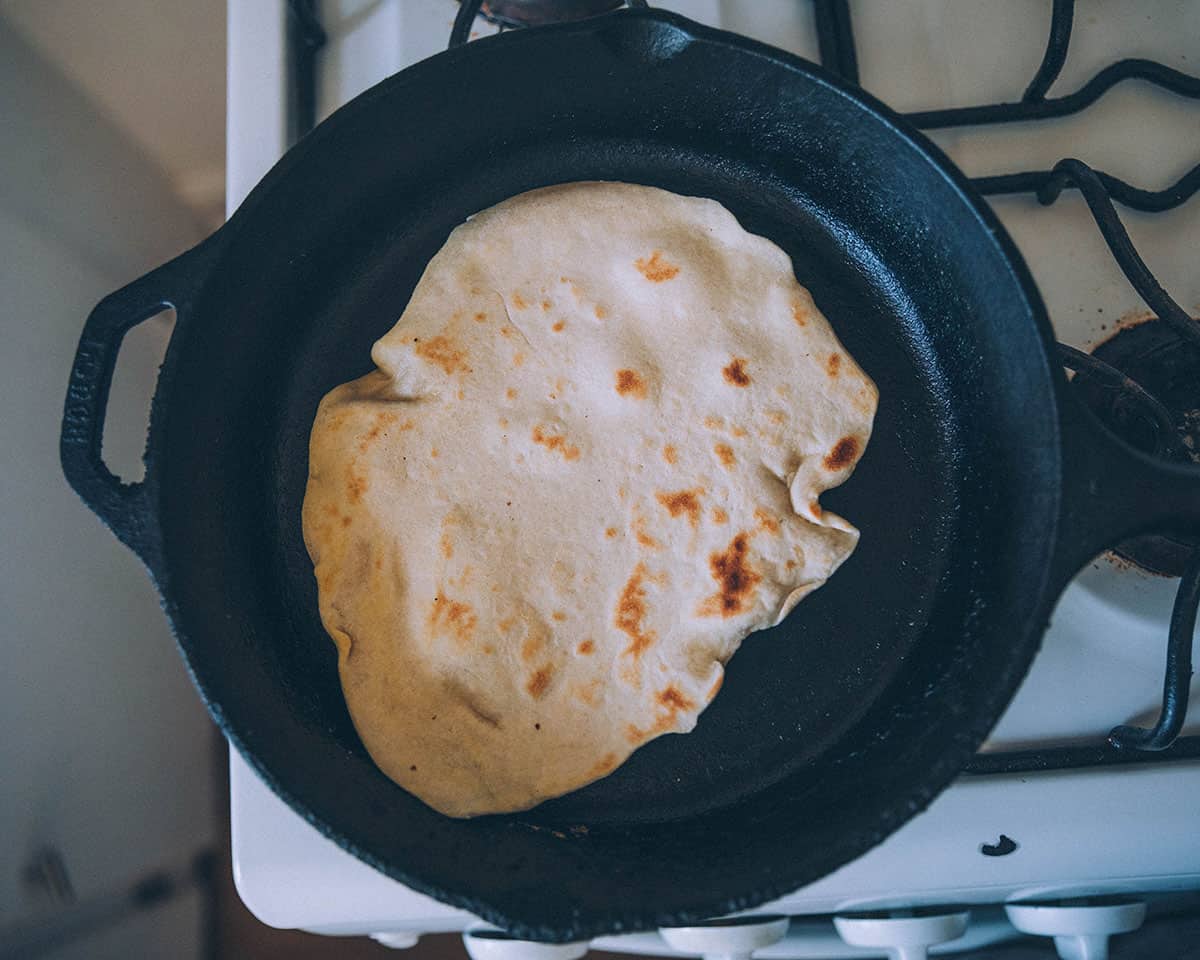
1112	491
126	508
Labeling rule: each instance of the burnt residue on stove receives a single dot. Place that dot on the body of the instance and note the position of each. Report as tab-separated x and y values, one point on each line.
1159	361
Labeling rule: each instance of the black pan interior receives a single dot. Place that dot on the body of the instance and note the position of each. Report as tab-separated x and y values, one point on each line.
830	729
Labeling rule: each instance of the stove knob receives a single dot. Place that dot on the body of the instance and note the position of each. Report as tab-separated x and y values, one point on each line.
397	939
1080	930
485	943
732	938
903	937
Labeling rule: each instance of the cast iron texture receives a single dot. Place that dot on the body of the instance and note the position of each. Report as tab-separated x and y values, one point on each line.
983	489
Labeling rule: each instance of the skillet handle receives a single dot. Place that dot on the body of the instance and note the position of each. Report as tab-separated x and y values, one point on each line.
126	508
1112	491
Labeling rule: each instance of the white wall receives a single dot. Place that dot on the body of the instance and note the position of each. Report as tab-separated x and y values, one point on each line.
105	751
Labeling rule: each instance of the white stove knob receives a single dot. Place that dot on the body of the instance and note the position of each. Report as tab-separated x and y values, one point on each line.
1080	931
397	939
732	938
904	938
486	943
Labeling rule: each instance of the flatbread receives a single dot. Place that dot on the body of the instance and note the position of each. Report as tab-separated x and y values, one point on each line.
586	467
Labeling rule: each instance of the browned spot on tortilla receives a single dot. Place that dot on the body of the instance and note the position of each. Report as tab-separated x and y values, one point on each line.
767	521
600	312
447	546
545	305
539	680
356	485
488	648
481	317
735	577
345	521
800	314
518	359
555	443
532	645
642	537
833	363
506	331
452	617
714	423
629	383
586	647
558	326
440	350
332	510
842	454
519	301
606	764
719	515
461	395
631	611
716	687
504	422
506	624
776	416
815	509
559	615
611	532
673	699
738	431
735	372
379	563
433	452
655	268
586	692
724	453
511	393
670	454
683	502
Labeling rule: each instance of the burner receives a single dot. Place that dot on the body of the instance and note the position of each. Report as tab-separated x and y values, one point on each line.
537	13
1157	358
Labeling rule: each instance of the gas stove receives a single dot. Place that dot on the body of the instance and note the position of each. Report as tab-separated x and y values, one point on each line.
1059	805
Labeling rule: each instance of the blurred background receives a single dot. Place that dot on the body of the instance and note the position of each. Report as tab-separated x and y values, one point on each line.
113	793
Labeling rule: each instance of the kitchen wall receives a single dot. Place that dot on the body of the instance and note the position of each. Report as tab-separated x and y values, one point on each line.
105	752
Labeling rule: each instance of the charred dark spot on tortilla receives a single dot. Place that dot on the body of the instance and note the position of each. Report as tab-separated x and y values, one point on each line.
586	648
630	384
441	351
735	577
555	444
539	680
413	767
655	268
631	611
724	453
842	454
673	699
537	726
735	372
683	502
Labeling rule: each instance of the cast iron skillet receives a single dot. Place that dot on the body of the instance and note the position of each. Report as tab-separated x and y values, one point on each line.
984	488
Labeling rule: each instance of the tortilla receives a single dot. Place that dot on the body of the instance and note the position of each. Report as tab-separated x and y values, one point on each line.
587	465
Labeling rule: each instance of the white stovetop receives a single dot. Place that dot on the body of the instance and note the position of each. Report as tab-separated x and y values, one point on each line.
1101	661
